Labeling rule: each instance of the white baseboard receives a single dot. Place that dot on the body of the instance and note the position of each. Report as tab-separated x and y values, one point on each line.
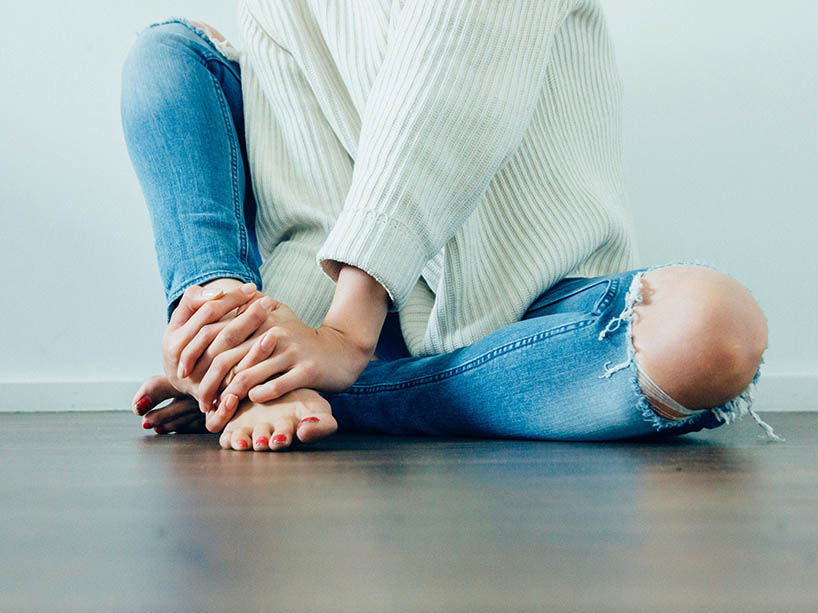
47	396
776	392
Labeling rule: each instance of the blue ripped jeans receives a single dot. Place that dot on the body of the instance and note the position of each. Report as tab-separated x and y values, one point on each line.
183	120
565	371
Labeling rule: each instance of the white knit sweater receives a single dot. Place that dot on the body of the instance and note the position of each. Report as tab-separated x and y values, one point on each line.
465	153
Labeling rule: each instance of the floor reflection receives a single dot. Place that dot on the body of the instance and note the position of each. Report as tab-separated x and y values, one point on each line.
398	510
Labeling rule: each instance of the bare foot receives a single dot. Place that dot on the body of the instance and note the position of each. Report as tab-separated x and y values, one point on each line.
181	415
272	425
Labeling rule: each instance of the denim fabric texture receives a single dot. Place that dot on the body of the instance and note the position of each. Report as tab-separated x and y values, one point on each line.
184	127
548	376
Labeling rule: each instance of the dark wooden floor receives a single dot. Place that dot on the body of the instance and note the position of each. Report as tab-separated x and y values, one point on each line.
95	514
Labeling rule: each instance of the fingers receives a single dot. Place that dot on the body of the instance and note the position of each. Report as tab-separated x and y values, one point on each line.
243	326
216	420
211	424
261	350
216	372
209	312
240	386
247	379
187	424
197	346
220	336
289	381
154	390
254	296
192	299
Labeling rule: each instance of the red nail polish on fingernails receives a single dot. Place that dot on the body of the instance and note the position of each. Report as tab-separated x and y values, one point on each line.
310	420
143	404
241	443
159	430
147	425
279	438
262	440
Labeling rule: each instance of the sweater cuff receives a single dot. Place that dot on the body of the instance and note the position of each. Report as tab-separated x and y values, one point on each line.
383	247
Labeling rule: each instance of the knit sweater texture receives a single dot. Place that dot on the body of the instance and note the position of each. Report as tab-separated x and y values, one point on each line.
464	153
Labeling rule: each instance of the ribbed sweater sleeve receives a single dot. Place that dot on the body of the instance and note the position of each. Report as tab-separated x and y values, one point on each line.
452	100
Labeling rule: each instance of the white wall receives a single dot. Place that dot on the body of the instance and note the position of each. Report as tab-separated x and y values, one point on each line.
82	296
720	137
721	129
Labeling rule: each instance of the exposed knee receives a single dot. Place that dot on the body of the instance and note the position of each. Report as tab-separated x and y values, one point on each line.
212	32
699	334
165	48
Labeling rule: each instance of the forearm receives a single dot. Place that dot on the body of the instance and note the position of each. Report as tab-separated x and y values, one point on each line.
453	99
330	358
358	308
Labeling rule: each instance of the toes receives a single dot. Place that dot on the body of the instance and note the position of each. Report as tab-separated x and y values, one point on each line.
261	436
316	427
315	417
283	435
213	423
152	392
185	423
303	415
224	439
240	439
164	416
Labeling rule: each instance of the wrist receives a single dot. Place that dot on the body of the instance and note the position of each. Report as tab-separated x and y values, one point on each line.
358	308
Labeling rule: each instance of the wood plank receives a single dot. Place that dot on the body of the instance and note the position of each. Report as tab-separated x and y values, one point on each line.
99	515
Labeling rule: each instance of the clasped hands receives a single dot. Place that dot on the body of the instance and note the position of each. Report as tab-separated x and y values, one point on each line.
221	346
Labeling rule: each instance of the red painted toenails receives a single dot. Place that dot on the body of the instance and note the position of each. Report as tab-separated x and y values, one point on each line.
143	405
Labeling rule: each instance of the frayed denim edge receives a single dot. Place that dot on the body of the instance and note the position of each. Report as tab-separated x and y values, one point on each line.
726	413
227	50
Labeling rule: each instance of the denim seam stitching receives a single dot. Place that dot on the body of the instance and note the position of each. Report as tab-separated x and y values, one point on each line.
613	286
471	364
602	301
233	171
227	119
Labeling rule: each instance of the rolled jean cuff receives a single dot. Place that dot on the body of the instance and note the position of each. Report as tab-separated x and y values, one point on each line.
175	295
